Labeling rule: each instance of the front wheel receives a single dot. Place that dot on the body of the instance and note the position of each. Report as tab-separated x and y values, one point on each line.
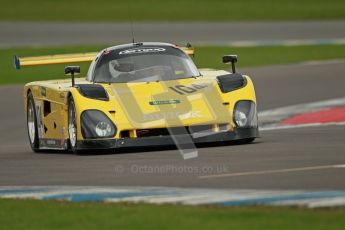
72	125
32	123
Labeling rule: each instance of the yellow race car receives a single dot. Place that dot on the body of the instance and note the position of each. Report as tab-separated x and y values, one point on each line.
137	95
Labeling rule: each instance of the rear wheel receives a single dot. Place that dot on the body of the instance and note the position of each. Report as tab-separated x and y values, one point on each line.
72	125
32	123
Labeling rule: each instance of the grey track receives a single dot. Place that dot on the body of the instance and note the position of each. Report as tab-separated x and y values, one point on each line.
40	33
279	149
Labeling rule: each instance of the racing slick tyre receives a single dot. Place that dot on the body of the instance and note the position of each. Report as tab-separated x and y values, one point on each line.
31	121
72	126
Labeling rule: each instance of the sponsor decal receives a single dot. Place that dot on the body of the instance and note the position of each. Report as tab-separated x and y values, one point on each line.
165	102
183	89
142	50
51	142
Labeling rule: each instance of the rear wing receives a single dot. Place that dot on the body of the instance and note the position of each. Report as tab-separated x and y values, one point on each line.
53	59
67	58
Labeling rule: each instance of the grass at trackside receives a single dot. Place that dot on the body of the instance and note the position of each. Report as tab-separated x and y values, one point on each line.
261	56
171	10
209	57
30	214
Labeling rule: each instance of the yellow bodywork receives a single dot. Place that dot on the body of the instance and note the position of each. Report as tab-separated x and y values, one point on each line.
133	106
129	105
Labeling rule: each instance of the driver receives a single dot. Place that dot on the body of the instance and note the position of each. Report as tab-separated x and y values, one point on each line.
116	68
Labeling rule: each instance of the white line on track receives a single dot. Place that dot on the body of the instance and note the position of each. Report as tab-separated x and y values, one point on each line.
269	119
251	173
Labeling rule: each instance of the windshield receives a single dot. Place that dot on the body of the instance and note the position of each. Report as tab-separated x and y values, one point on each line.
144	64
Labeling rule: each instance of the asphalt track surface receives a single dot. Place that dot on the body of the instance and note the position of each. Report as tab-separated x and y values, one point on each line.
300	150
40	33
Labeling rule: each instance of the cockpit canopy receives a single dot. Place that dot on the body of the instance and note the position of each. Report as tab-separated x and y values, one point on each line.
142	63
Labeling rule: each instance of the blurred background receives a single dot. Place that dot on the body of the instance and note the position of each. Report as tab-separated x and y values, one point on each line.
294	50
261	32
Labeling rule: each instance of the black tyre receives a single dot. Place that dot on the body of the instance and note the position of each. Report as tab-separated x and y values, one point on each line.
31	121
72	126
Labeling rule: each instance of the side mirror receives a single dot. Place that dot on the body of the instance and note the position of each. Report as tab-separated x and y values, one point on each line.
72	70
232	59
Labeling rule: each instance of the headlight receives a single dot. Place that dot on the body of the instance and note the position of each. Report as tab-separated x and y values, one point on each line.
245	115
240	118
95	124
103	129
